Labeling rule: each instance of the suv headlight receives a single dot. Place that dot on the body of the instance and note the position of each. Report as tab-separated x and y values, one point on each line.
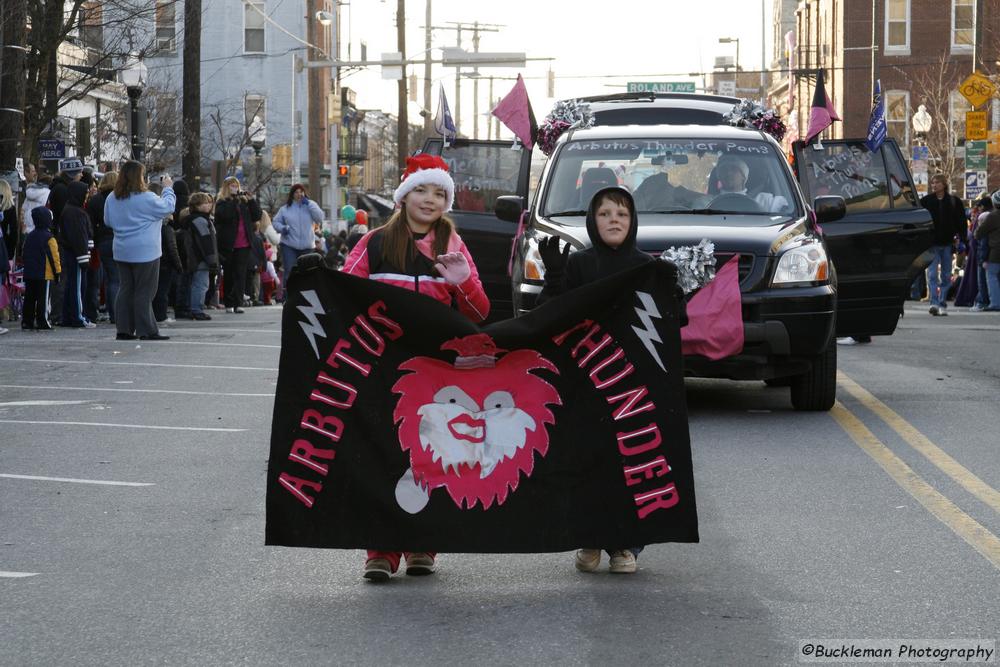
534	268
805	264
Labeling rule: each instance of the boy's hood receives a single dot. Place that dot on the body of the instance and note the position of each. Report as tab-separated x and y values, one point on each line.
633	228
78	193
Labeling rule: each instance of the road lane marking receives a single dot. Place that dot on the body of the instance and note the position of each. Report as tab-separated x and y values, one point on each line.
16	575
75	481
126	343
21	404
156	428
949	466
963	525
149	391
139	363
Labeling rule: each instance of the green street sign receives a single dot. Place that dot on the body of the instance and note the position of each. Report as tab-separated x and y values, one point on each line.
975	155
661	86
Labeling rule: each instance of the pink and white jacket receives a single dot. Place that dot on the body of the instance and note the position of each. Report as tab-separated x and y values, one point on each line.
366	261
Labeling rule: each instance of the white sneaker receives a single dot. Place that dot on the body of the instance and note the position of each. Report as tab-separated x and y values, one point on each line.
622	562
846	341
3	331
89	325
229	310
170	320
977	308
588	560
934	310
943	310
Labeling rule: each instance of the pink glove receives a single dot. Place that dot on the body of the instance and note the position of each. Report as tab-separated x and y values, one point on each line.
453	267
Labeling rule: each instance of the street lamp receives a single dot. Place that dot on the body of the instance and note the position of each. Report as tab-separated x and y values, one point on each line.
328	19
921	124
133	76
730	40
257	133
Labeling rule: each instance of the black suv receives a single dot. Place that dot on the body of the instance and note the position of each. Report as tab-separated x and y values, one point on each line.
826	249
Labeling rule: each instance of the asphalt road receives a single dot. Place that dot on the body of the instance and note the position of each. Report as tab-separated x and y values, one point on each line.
878	520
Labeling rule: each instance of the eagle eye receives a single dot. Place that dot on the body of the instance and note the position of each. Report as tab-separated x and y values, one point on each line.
454	395
498	400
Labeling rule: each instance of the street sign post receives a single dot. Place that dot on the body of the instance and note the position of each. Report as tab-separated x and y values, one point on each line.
661	86
976	175
977	89
975	184
727	88
976	128
918	167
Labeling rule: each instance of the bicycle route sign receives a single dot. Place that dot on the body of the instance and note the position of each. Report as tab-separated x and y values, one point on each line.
977	89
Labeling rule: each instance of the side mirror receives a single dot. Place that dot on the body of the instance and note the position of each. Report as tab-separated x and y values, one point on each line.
509	208
829	209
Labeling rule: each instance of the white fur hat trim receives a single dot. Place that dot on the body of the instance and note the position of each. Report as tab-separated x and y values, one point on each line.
438	177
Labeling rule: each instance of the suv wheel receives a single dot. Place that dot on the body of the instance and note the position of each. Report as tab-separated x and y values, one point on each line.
816	390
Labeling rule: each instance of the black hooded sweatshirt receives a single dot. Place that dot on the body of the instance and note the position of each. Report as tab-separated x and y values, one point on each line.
600	260
75	231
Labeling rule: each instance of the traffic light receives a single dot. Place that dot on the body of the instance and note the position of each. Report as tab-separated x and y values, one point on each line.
342	173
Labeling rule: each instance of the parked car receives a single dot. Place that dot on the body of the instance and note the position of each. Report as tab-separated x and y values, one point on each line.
826	249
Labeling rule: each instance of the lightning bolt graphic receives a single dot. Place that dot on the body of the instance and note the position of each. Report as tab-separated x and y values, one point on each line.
312	328
648	333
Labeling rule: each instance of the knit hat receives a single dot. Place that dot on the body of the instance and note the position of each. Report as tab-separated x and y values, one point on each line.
734	161
425	169
71	165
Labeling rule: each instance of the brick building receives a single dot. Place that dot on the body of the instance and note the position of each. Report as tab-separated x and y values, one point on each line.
923	50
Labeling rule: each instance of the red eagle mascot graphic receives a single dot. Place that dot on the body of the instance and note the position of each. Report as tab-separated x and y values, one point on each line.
473	427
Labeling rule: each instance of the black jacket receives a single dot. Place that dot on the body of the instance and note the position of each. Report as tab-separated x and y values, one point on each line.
990	229
201	243
227	216
600	260
36	252
58	196
95	208
949	217
75	232
168	240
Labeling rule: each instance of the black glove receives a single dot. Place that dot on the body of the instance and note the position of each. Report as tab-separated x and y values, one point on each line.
309	261
553	259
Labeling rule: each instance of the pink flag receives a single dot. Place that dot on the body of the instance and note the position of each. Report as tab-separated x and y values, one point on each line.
515	112
715	316
823	113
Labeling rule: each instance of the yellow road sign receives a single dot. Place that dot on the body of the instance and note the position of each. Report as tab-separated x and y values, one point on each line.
977	89
975	126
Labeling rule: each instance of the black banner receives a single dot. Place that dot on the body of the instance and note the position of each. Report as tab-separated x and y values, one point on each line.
401	425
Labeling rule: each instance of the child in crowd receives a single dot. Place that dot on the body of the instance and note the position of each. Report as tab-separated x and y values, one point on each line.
77	242
41	267
418	249
612	225
203	252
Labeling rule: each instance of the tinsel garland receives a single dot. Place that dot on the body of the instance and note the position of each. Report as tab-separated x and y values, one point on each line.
565	115
748	113
695	264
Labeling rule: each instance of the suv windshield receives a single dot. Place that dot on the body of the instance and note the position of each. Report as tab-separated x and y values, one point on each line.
704	176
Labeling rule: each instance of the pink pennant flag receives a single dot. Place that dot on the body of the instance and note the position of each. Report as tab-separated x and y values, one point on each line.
822	113
715	316
514	111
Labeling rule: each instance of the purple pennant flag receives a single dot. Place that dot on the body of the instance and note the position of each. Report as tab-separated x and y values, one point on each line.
514	111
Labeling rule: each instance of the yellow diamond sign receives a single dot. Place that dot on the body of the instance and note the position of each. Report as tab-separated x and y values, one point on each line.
977	89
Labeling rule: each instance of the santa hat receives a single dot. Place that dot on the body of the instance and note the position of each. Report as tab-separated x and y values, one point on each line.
425	169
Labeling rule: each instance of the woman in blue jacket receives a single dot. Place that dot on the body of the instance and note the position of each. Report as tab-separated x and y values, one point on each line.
295	224
135	215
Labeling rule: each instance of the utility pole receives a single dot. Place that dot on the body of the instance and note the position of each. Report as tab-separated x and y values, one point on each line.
315	93
427	70
475	85
13	32
458	27
191	106
403	123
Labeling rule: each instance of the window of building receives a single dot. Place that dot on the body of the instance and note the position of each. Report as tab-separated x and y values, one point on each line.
166	26
255	105
957	108
92	25
897	115
897	26
963	24
253	27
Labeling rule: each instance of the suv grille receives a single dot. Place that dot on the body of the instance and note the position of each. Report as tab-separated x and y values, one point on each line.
746	263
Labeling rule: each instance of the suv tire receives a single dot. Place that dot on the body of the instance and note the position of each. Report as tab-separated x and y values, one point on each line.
816	389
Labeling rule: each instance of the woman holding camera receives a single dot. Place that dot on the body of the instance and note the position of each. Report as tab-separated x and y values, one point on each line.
237	214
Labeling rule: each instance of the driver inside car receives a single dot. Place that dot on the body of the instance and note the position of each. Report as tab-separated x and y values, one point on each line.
733	173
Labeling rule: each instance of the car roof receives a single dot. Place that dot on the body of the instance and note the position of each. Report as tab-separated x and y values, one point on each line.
660	108
666	132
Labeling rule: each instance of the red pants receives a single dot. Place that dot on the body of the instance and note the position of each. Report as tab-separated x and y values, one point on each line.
393	556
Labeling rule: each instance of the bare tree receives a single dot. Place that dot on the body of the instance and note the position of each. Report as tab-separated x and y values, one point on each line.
76	46
228	136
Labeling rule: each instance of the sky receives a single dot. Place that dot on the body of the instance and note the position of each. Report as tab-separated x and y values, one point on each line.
591	42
